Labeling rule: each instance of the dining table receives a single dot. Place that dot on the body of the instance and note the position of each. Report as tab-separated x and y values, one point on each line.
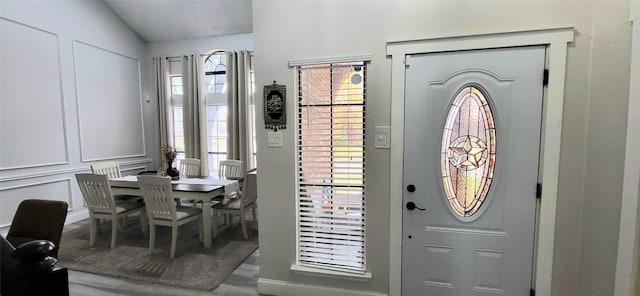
202	189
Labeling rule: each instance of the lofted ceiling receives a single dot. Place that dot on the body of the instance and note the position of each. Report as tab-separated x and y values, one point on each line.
168	20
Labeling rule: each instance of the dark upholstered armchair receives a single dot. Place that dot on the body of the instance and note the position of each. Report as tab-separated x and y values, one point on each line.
38	219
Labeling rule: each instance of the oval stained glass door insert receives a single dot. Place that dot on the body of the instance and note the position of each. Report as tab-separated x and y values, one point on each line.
468	152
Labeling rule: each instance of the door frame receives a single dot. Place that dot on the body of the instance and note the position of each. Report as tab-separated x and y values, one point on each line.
556	41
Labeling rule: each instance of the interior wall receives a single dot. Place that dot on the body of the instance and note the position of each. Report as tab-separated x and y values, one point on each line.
606	138
70	96
200	45
591	118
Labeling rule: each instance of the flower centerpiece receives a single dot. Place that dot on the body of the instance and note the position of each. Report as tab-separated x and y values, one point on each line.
169	153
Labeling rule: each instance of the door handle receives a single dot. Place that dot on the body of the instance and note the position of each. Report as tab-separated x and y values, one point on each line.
412	206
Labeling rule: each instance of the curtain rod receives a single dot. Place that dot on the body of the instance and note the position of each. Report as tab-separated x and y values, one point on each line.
203	54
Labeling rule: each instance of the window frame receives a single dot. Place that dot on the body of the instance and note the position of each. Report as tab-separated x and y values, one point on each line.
216	73
300	265
213	100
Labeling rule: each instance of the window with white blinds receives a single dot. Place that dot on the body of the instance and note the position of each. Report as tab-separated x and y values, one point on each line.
331	166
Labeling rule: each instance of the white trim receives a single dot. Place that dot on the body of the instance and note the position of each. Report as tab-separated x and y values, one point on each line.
78	110
296	268
62	105
133	169
114	157
282	288
628	254
365	57
556	41
39	165
70	171
69	192
76	216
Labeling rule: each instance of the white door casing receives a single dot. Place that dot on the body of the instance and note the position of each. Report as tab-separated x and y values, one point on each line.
453	101
556	41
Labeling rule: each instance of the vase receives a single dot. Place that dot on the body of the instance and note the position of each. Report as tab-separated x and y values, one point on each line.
171	171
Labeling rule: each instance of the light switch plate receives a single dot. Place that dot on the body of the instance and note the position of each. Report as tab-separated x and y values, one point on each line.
274	139
383	137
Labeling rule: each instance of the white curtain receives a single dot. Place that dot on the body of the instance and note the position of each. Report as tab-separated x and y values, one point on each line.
239	101
195	111
163	97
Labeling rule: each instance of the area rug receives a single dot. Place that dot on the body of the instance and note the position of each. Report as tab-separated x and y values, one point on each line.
193	267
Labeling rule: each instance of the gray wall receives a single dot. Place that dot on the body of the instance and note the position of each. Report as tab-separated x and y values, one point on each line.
592	152
70	95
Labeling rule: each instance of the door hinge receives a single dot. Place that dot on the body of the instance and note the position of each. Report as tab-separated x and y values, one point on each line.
538	190
545	77
532	292
406	60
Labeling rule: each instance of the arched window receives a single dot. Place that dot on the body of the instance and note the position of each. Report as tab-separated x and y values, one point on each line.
215	71
215	78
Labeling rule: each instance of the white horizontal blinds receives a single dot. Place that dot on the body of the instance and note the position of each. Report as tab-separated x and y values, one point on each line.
331	167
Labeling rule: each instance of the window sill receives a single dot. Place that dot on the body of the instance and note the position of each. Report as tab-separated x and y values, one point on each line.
330	273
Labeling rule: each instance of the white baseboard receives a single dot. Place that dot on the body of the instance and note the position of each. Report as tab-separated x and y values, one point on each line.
282	288
74	217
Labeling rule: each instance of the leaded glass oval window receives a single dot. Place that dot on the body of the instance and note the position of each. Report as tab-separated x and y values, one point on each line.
468	154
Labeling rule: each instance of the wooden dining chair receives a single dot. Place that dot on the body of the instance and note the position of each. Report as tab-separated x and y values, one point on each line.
189	167
112	170
109	168
96	192
231	169
238	204
162	209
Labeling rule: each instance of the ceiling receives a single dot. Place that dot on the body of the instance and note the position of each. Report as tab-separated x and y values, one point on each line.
168	20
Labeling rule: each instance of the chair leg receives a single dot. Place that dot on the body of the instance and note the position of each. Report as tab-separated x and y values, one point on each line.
143	222
214	227
174	239
114	231
200	229
243	224
152	236
93	228
253	214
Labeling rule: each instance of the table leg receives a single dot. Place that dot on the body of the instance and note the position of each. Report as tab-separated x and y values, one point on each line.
206	220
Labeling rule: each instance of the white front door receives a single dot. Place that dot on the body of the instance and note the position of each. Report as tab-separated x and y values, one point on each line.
471	150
